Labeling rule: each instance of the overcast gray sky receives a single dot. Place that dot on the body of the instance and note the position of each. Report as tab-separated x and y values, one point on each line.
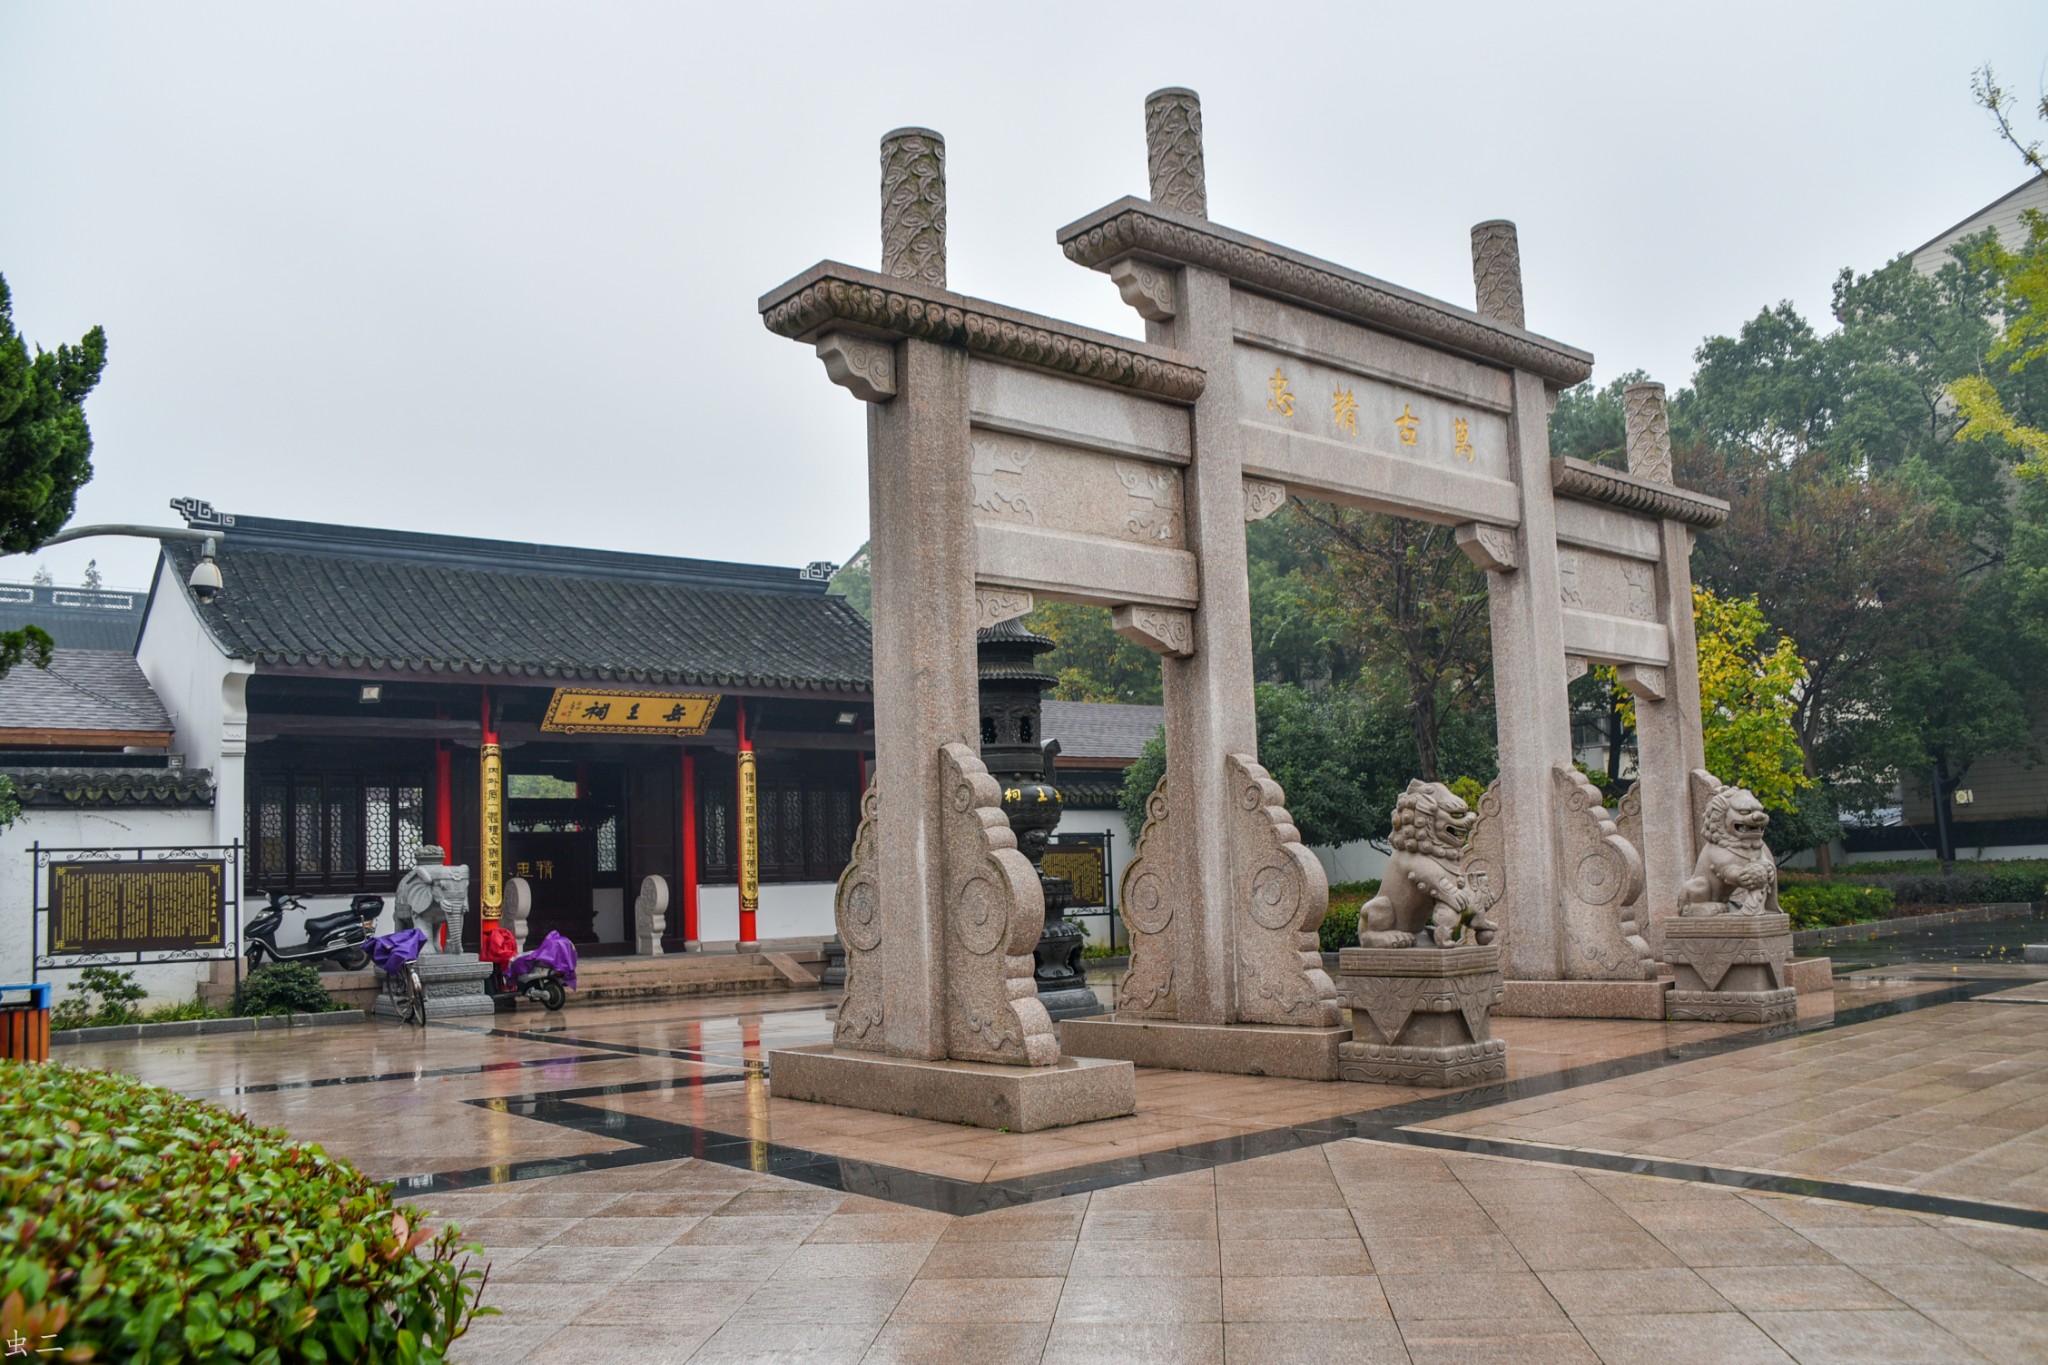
490	269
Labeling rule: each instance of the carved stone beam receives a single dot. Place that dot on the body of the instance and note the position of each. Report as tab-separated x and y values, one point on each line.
914	206
1147	288
1160	629
1490	547
1644	681
1262	499
1173	151
864	367
1497	271
1575	667
996	605
1648	428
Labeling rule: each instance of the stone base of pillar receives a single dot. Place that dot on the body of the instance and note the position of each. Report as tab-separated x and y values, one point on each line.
1583	999
1303	1054
1734	1007
835	962
1419	1016
1020	1099
1731	969
454	985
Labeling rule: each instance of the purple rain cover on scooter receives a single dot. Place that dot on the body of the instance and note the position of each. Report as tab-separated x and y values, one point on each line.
389	950
556	952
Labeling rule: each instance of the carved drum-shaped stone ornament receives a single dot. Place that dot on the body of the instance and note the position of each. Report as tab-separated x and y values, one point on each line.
1730	968
1421	1016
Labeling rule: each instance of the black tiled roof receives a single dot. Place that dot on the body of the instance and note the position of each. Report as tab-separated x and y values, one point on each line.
76	618
1101	729
82	689
308	595
104	787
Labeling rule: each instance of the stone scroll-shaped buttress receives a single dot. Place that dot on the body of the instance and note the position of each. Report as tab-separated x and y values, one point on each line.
1282	895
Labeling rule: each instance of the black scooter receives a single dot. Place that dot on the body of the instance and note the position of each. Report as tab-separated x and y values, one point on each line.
341	935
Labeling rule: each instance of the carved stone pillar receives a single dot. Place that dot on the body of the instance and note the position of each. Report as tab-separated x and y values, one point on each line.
1669	746
1497	271
914	206
1533	715
1173	151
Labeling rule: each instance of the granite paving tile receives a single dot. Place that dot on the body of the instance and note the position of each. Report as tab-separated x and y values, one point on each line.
1852	1337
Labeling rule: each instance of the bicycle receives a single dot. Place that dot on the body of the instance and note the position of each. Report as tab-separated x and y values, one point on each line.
408	993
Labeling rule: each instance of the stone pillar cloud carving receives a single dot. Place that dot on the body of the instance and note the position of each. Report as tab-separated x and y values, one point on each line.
1490	547
1497	271
1146	288
993	606
1263	499
914	206
1648	427
865	368
1162	630
1173	151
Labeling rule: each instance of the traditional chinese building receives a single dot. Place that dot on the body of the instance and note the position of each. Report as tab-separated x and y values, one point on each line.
573	717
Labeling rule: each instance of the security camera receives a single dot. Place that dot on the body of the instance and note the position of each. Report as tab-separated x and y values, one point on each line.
205	580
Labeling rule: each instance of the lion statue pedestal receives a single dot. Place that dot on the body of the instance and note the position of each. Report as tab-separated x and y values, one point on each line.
1423	983
1729	945
1421	1016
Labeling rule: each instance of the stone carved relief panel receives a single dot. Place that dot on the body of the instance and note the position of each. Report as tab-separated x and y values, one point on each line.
1601	877
914	206
1486	865
1148	901
994	912
1159	629
857	915
1024	482
1611	585
1280	391
1262	499
1281	896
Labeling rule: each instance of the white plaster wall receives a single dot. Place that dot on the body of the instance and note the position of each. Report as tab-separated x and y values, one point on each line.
788	910
205	692
168	983
1357	861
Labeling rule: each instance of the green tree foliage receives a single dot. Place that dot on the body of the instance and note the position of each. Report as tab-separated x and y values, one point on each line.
1092	661
1892	551
45	451
1588	423
1341	754
1408	604
855	583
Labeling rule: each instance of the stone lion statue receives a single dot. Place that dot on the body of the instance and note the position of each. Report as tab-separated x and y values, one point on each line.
1424	899
432	895
1736	873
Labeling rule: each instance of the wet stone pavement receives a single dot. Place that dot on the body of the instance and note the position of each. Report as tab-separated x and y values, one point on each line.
1868	1185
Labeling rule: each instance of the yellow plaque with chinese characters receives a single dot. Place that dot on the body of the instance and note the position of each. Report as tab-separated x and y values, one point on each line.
590	711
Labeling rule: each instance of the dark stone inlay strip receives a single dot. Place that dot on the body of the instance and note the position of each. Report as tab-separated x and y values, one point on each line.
662	1140
1842	1192
427	1074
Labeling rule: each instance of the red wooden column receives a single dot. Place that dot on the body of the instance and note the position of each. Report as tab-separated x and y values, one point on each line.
689	858
444	801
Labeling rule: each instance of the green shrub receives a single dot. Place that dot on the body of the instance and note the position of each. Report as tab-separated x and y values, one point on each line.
1340	926
1096	951
194	1008
137	1225
283	988
1968	884
102	996
1817	904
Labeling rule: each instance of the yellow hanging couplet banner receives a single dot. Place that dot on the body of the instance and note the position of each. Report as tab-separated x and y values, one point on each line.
750	835
493	841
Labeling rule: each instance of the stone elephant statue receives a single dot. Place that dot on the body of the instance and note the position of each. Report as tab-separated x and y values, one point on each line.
430	896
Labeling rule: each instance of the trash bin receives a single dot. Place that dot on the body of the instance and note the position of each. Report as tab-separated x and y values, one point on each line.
25	1022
